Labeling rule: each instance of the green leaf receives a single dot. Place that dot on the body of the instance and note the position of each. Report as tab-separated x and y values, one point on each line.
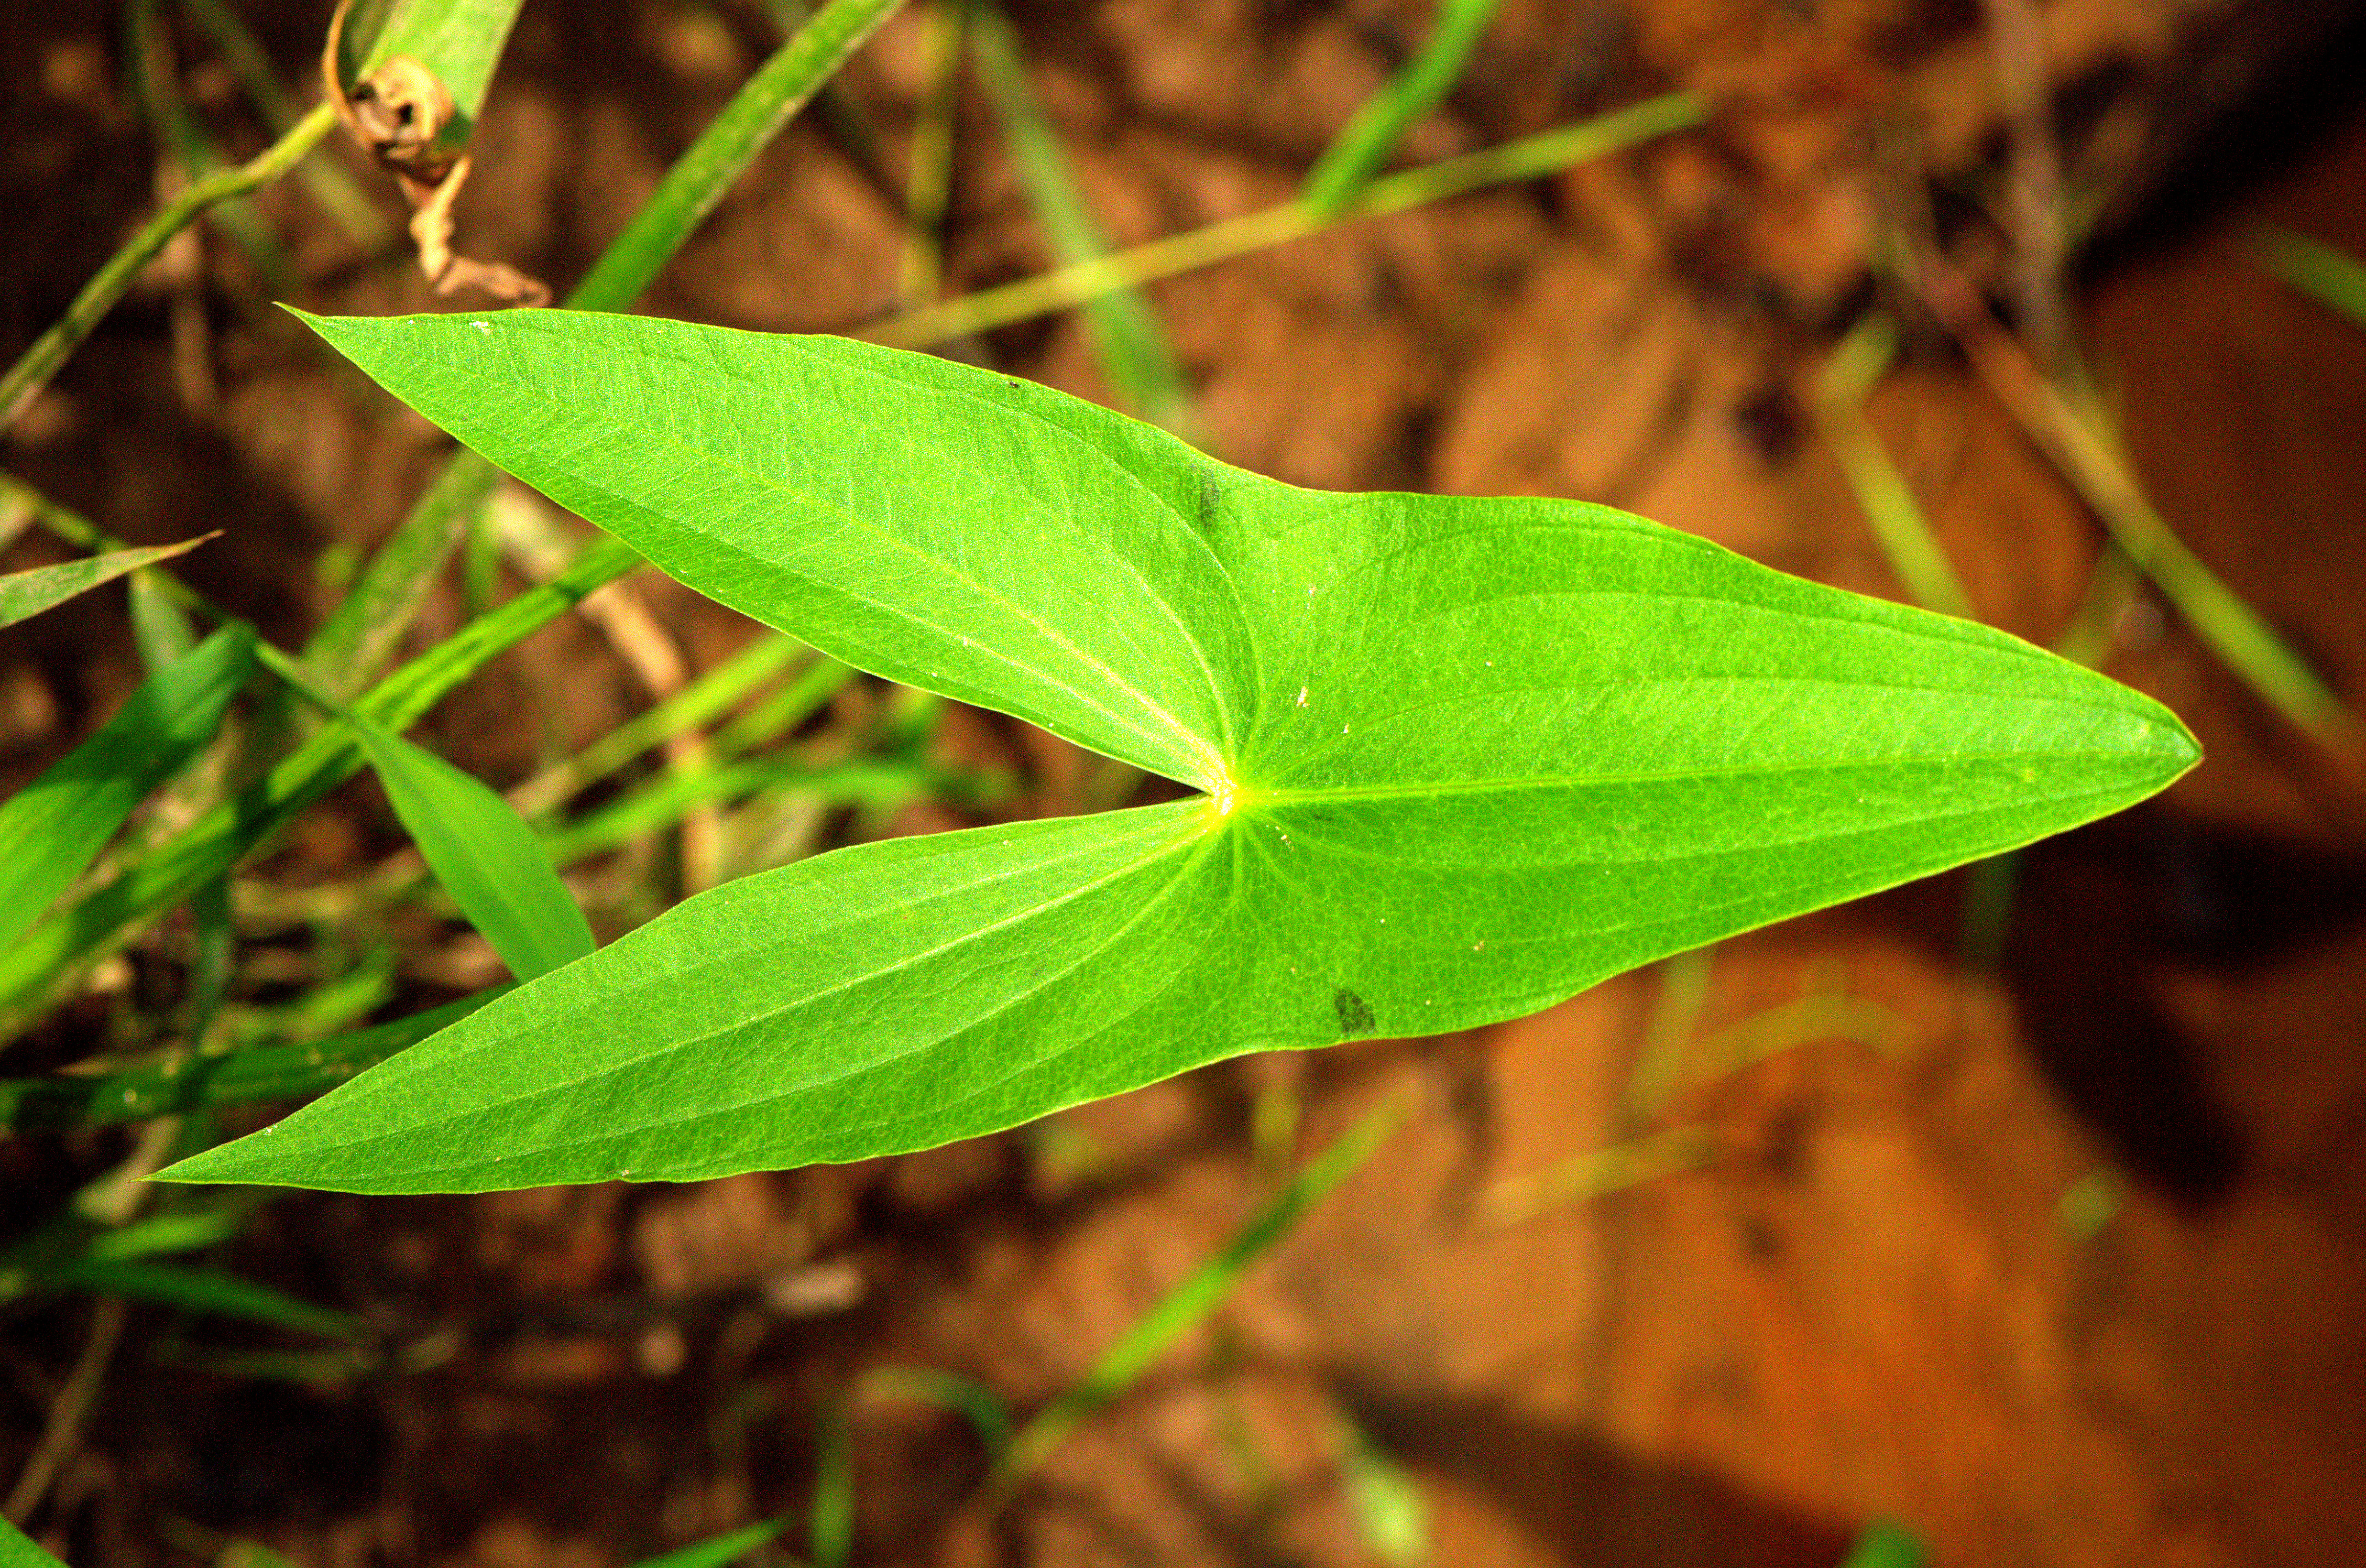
459	41
482	851
18	1550
52	829
25	594
1462	758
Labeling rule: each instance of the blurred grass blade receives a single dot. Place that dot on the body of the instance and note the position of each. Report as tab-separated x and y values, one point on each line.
721	1551
964	1396
1351	160
707	698
1886	1544
1066	287
1385	1501
1128	338
18	1550
161	1235
483	853
244	1078
102	920
878	784
190	150
929	182
52	829
2330	276
25	594
1200	1294
1898	523
158	629
202	1289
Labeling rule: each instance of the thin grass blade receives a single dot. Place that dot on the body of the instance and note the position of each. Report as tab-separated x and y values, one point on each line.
202	1289
1350	162
25	594
52	829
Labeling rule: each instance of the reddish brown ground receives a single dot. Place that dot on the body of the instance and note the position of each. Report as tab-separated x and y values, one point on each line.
1872	1299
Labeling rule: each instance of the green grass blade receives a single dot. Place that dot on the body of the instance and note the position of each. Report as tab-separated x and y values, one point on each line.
25	594
1385	1501
483	853
1189	1302
161	1235
209	1083
2329	276
702	699
99	921
879	784
202	1289
719	1551
1349	163
52	829
1131	345
1886	1544
1898	523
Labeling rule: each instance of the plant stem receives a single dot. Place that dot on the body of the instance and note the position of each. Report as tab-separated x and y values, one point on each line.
339	196
361	634
1544	153
53	348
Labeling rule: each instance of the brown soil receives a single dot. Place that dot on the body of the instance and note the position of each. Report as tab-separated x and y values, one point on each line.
2060	1265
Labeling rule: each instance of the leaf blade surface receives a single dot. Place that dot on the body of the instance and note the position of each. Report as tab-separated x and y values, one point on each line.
1464	758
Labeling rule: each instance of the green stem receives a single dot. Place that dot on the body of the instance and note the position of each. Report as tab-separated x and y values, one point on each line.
330	186
53	348
361	634
1527	159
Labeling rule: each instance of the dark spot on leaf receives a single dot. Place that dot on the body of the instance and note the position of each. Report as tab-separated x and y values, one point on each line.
1355	1012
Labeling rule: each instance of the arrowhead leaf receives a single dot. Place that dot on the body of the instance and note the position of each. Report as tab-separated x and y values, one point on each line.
1461	758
